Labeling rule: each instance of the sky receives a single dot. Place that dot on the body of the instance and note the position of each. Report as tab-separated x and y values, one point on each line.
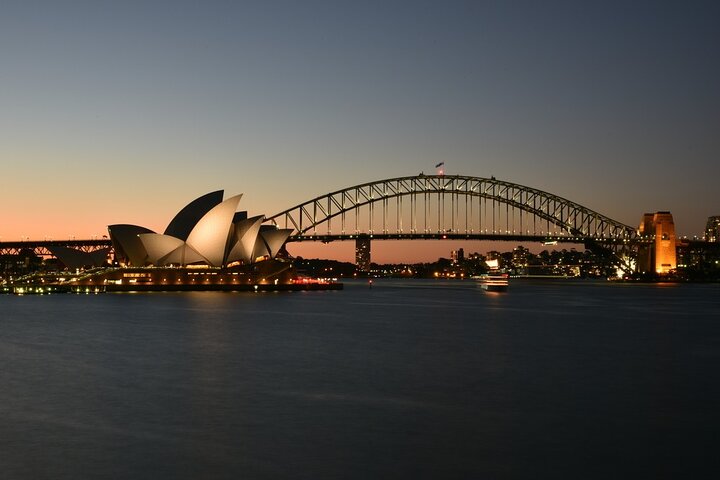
123	112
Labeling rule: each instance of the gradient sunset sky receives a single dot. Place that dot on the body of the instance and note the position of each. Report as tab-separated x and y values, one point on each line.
124	111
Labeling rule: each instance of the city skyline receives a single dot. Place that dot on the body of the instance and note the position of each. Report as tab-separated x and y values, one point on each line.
119	112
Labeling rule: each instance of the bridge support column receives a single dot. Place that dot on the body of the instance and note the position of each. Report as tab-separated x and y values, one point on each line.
660	256
362	253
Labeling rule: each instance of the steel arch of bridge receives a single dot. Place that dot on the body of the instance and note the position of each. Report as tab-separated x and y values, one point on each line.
438	193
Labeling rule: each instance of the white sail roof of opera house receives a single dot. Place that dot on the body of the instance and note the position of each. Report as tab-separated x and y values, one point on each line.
273	239
245	236
166	250
73	258
210	235
126	242
207	231
186	219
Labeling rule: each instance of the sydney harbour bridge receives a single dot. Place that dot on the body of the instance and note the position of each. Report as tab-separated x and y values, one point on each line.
433	207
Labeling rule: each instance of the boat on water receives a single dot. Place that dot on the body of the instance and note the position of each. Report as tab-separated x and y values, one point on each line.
493	282
496	280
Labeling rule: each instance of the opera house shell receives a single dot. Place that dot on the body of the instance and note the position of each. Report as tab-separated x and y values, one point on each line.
208	231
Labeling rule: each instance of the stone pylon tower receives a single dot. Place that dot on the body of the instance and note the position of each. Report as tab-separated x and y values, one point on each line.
660	255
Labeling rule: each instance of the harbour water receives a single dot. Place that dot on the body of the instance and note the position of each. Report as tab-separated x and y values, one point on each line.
409	379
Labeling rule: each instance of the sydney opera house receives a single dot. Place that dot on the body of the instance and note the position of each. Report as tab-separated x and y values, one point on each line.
208	245
207	232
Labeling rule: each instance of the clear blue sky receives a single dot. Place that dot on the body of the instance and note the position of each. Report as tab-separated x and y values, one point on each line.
125	111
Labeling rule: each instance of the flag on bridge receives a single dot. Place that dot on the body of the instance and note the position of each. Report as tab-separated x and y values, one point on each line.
439	164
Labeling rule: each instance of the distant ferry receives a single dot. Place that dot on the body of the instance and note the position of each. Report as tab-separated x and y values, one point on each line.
493	282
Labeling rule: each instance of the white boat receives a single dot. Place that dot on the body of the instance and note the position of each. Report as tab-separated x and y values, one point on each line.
493	282
496	280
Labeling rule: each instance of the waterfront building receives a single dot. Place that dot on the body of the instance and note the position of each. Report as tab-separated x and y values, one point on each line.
712	229
362	254
206	232
457	256
208	245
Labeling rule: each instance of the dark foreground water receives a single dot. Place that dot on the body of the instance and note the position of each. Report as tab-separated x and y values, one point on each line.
410	379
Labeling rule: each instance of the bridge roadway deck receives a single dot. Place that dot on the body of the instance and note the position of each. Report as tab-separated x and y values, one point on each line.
327	238
41	247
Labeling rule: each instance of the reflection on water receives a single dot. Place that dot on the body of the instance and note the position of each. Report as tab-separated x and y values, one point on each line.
409	379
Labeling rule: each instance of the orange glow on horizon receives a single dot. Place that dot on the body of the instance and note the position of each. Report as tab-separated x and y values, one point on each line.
403	251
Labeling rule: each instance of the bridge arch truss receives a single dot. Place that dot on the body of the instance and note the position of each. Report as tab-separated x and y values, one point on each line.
452	205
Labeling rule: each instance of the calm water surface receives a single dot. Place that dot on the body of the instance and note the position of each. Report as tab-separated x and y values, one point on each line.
409	379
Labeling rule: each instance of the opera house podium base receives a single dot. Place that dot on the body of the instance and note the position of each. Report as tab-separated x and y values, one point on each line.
271	275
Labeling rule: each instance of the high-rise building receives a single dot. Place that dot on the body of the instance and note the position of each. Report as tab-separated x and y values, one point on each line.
712	230
457	256
362	254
